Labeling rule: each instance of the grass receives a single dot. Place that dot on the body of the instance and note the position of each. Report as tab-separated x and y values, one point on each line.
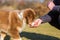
43	32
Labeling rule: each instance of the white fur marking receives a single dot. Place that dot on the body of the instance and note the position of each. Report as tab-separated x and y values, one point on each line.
20	38
17	39
23	26
1	38
21	15
24	21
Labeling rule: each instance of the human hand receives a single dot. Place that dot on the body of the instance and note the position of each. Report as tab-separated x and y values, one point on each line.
36	23
51	5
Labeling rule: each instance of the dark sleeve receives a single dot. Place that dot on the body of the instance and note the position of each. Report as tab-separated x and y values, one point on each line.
51	18
57	8
54	15
56	2
45	18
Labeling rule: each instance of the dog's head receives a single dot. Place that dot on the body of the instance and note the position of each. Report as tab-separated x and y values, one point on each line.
29	15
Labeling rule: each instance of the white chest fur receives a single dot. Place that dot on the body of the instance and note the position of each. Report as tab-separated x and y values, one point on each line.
24	21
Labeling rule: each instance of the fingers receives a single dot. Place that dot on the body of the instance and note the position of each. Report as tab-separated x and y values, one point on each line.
33	26
36	23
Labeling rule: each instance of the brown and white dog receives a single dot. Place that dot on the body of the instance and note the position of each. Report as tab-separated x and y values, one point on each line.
12	22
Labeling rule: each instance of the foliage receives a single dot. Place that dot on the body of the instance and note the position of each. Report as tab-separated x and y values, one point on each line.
40	8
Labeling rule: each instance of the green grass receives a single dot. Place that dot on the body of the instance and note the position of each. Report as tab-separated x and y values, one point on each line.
43	32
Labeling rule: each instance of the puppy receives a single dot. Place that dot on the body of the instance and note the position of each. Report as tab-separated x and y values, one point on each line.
12	22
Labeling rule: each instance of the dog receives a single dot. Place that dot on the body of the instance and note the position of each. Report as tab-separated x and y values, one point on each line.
12	22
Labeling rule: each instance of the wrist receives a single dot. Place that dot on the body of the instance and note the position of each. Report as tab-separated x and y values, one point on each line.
39	20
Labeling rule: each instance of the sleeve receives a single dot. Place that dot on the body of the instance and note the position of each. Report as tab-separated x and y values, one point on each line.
57	8
45	18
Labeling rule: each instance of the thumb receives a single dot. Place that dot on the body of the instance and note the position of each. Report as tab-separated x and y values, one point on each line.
37	22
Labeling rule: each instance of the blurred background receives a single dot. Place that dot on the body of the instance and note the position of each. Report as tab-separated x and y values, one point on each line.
44	31
40	6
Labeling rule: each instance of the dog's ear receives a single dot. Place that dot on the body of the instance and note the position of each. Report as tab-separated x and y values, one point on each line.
30	10
29	14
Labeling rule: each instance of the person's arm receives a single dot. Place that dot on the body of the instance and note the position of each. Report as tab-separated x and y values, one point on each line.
43	19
